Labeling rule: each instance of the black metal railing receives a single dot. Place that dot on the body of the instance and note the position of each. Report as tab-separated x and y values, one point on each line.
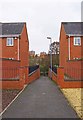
33	68
54	69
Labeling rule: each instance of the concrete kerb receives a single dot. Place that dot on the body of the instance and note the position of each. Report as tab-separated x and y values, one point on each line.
13	100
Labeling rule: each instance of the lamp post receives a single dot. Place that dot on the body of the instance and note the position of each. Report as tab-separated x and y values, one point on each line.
50	55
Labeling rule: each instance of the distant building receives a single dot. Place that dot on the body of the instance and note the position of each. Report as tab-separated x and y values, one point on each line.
32	53
42	54
55	48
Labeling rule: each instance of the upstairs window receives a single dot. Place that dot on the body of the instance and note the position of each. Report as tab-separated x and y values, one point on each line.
77	41
10	42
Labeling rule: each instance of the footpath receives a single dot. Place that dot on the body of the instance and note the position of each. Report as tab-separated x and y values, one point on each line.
40	99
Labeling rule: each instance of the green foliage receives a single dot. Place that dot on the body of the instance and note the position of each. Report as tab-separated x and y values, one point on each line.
44	63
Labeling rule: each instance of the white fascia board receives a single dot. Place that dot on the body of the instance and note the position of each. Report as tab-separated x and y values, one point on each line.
74	35
16	35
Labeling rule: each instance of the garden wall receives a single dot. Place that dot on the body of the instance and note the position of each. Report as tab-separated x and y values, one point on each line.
12	76
59	79
34	75
74	69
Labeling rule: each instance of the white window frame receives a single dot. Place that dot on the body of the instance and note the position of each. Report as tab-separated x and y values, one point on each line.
76	38
7	43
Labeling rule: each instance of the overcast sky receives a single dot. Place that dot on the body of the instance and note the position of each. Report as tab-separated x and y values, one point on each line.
43	18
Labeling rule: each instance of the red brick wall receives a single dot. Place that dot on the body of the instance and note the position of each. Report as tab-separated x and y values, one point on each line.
34	76
82	47
0	48
9	84
10	68
63	47
10	63
24	51
24	47
59	79
74	69
9	51
75	51
15	84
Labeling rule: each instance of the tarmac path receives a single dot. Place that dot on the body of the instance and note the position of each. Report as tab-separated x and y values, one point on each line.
40	99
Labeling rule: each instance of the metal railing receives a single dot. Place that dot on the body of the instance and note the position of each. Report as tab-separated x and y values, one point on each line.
33	68
54	69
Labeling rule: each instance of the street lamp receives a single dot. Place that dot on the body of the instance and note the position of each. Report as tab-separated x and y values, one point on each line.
50	55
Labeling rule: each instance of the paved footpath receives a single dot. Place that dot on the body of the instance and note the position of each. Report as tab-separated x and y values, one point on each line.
40	99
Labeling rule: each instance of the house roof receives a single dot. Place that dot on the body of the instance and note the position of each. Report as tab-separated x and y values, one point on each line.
73	28
11	29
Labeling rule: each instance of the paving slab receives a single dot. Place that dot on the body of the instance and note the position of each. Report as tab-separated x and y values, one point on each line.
40	99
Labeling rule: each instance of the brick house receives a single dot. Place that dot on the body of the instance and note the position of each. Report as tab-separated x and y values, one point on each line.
14	42
14	53
71	50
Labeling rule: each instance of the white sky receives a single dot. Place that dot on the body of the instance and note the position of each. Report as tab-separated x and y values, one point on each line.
43	18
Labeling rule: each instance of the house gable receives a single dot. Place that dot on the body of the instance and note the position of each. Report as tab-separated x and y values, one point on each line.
68	49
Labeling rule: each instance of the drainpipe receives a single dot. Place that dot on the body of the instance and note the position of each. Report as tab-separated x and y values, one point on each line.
18	49
69	46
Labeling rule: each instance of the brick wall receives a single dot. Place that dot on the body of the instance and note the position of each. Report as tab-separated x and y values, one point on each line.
34	76
59	79
9	51
75	51
73	68
63	47
6	81
24	51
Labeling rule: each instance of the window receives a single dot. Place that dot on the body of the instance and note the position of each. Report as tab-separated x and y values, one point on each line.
77	40
10	42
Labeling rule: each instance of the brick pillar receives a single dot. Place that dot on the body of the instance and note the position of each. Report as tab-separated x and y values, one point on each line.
21	81
82	74
1	73
26	72
60	75
38	73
